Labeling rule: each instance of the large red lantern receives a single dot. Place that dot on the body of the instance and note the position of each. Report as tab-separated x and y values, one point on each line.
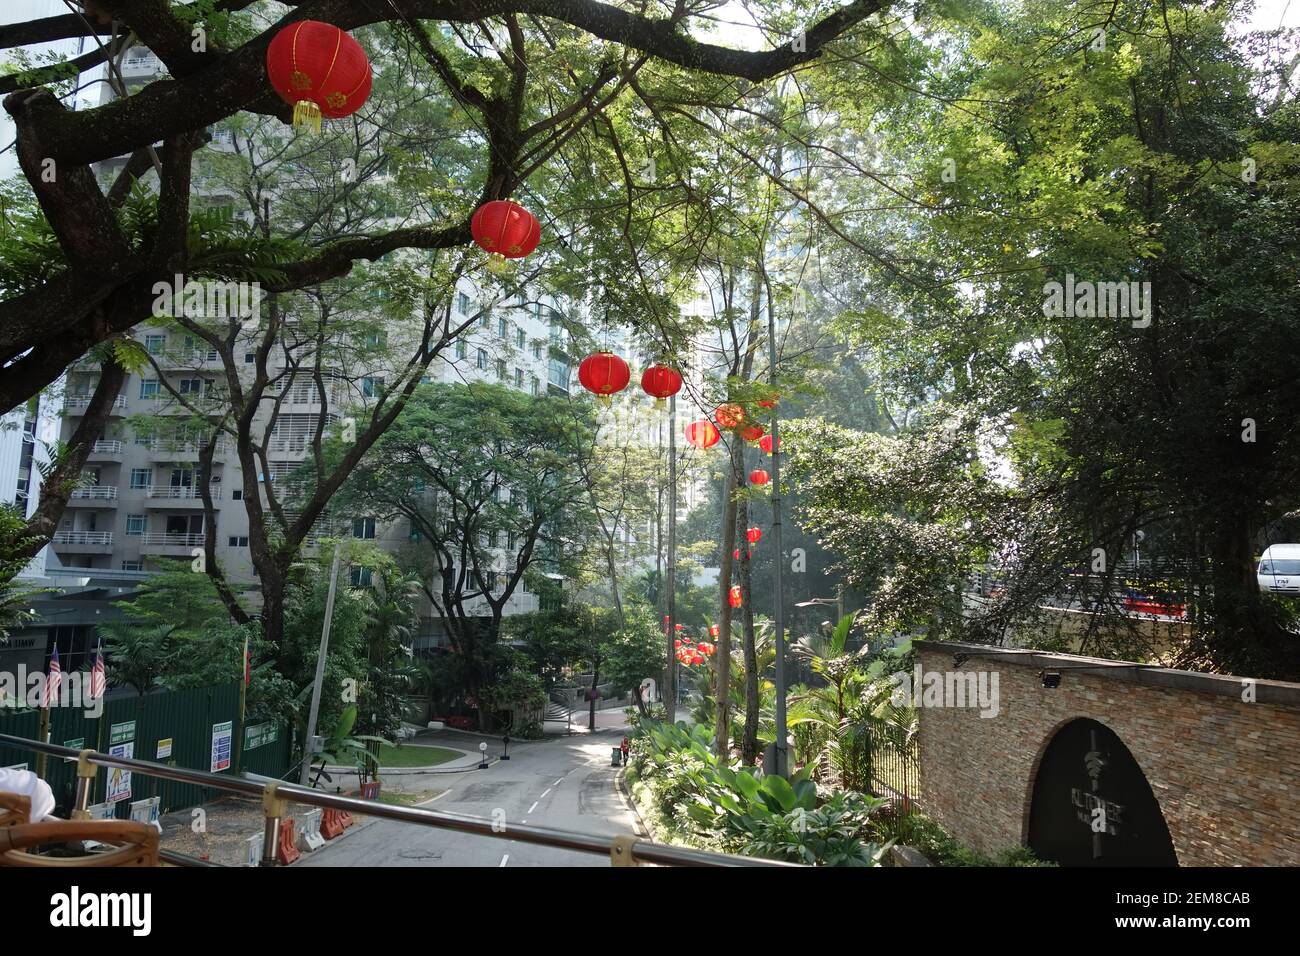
697	659
752	432
702	434
754	534
734	597
713	631
318	69
765	443
604	373
505	228
758	477
661	382
729	415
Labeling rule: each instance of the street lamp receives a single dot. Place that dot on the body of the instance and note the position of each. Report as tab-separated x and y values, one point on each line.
482	749
505	747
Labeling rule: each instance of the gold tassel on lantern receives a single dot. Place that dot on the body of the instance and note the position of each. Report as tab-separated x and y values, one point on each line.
306	114
498	264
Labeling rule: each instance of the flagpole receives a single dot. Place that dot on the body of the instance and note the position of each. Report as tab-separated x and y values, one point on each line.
47	694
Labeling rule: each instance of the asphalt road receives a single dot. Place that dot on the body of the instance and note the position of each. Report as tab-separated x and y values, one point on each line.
565	783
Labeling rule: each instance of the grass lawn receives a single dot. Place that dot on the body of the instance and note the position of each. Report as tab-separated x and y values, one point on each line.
414	755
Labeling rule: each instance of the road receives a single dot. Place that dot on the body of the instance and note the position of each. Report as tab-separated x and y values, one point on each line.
565	783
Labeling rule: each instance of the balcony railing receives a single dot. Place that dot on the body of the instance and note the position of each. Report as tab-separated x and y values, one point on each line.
95	493
182	491
179	448
155	539
83	538
77	404
106	448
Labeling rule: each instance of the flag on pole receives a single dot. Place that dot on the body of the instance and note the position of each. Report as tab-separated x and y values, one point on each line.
52	679
248	664
97	675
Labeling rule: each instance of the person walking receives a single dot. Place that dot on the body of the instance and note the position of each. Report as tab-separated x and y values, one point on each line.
625	746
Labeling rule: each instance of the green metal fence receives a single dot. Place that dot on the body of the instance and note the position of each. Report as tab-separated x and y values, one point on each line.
196	728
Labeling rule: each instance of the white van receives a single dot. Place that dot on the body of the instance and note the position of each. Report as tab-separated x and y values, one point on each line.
1279	569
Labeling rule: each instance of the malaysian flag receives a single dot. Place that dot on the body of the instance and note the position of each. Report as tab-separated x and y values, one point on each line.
97	675
52	679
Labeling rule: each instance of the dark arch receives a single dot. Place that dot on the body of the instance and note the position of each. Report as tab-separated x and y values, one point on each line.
1088	779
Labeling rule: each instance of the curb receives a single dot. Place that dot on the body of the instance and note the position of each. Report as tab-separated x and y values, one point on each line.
404	771
643	831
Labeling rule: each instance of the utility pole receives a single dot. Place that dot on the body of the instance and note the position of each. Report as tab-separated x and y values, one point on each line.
782	768
304	779
670	583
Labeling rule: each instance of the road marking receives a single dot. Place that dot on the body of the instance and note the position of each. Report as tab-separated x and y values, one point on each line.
558	782
548	790
534	806
504	858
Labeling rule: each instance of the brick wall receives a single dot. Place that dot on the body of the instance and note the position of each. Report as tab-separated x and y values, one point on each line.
1226	773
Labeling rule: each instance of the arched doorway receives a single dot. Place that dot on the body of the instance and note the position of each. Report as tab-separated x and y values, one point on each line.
1092	805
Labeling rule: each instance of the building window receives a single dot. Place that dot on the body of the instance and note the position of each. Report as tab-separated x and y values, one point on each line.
154	344
371	386
250	358
135	524
482	358
519	338
360	577
537	350
191	386
461	348
537	386
132	565
141	477
237	541
148	388
519	378
462	303
503	328
376	340
363	528
237	494
501	370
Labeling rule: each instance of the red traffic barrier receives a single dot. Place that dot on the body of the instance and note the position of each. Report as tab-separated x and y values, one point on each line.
288	844
330	825
345	818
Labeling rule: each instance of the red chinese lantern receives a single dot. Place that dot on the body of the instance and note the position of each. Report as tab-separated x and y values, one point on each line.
766	444
734	597
702	434
661	382
604	373
754	534
736	554
697	659
677	643
752	432
758	477
505	228
729	415
713	631
319	70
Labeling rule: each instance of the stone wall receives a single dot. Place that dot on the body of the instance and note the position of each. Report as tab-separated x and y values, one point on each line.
1226	772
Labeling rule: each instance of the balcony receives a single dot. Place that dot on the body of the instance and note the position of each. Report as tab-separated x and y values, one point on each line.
181	450
83	542
185	496
94	496
188	358
77	404
105	451
175	545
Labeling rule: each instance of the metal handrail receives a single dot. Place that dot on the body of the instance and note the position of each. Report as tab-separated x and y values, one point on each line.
276	793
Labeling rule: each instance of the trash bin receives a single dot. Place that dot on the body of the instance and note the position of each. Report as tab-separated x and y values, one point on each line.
616	757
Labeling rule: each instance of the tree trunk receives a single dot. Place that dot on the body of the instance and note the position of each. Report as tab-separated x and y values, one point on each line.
722	689
749	741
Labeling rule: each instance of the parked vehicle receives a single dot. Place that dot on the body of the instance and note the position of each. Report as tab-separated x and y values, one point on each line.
1279	569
